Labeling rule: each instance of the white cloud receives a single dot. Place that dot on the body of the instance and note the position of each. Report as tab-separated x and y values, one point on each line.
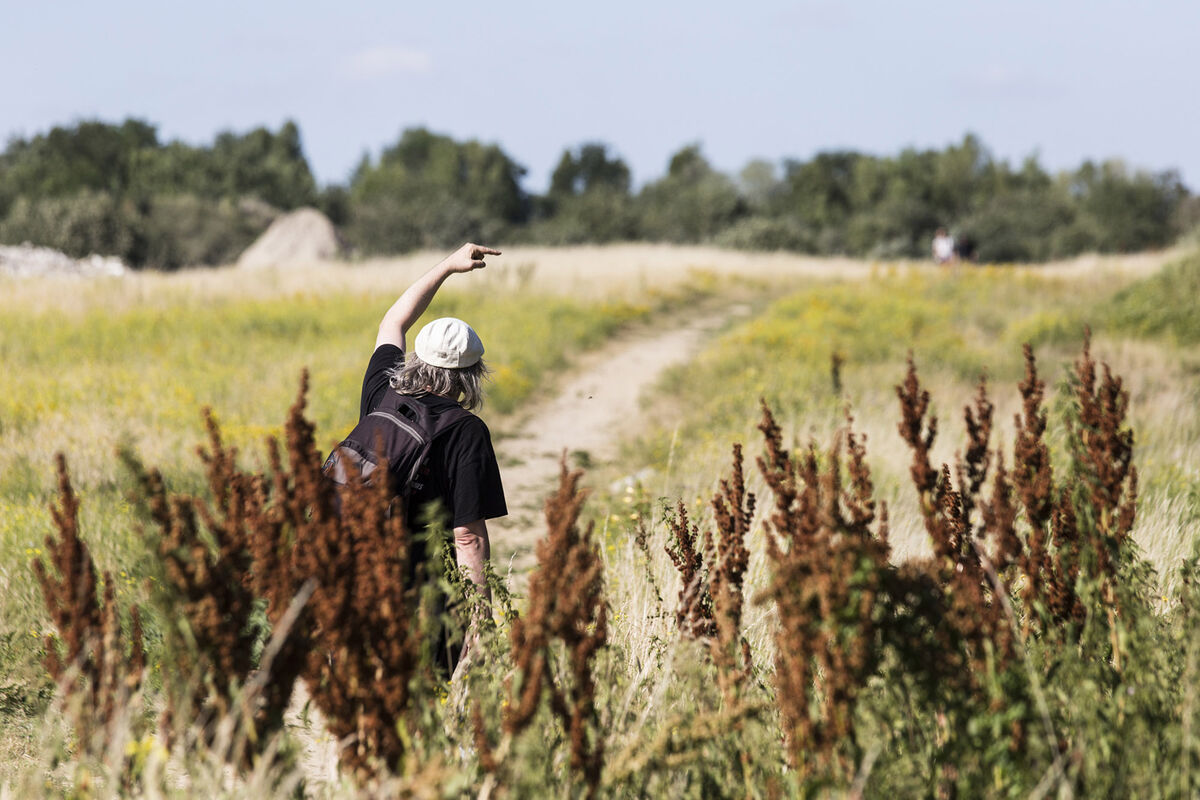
386	61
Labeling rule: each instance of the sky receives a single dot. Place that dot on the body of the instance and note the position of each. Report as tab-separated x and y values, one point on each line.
1065	81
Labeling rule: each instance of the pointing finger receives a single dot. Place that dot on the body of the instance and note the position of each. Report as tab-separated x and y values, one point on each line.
485	251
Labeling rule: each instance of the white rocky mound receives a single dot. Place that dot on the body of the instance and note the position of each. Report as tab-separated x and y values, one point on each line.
27	261
301	237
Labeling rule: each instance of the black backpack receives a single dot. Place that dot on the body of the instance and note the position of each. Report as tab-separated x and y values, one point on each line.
401	430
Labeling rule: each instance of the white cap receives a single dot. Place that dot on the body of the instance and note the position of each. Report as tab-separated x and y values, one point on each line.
448	342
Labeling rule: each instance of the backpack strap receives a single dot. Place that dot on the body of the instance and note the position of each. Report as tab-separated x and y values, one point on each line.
409	411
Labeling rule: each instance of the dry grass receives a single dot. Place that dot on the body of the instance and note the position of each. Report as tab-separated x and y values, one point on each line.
624	271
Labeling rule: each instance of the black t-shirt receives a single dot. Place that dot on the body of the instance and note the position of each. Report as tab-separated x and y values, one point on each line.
466	476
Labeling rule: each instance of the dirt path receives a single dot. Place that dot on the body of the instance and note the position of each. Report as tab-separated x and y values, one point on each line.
591	412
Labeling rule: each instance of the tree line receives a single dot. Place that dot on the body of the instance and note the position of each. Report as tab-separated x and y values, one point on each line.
118	189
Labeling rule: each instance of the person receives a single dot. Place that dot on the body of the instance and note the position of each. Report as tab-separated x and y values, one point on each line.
964	249
943	247
444	371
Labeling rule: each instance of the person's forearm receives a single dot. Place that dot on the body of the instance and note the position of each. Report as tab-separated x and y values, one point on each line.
472	549
409	307
412	304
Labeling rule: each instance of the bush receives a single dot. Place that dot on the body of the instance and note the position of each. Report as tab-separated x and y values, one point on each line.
1162	305
761	233
397	223
186	230
598	216
1019	226
1187	220
78	225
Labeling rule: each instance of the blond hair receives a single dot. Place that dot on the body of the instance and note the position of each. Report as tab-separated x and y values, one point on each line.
463	385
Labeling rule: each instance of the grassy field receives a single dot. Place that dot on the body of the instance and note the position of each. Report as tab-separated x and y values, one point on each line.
958	328
89	367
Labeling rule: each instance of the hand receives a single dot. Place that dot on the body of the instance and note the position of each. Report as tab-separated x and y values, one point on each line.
468	257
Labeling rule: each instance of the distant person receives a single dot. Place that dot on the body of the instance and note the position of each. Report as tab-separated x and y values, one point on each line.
943	247
965	248
432	389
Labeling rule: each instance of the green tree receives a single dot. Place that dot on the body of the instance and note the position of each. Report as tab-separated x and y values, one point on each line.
590	168
429	190
271	167
821	191
893	204
1131	210
1029	217
759	184
693	203
588	201
88	156
128	160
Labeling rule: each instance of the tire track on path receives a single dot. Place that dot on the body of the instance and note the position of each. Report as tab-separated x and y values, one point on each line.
592	411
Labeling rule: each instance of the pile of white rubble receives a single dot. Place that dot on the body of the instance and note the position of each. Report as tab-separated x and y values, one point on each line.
26	261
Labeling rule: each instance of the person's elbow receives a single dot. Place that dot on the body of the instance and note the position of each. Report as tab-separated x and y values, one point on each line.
390	332
471	539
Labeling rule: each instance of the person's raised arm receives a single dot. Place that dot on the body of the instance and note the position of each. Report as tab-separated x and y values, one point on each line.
416	298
